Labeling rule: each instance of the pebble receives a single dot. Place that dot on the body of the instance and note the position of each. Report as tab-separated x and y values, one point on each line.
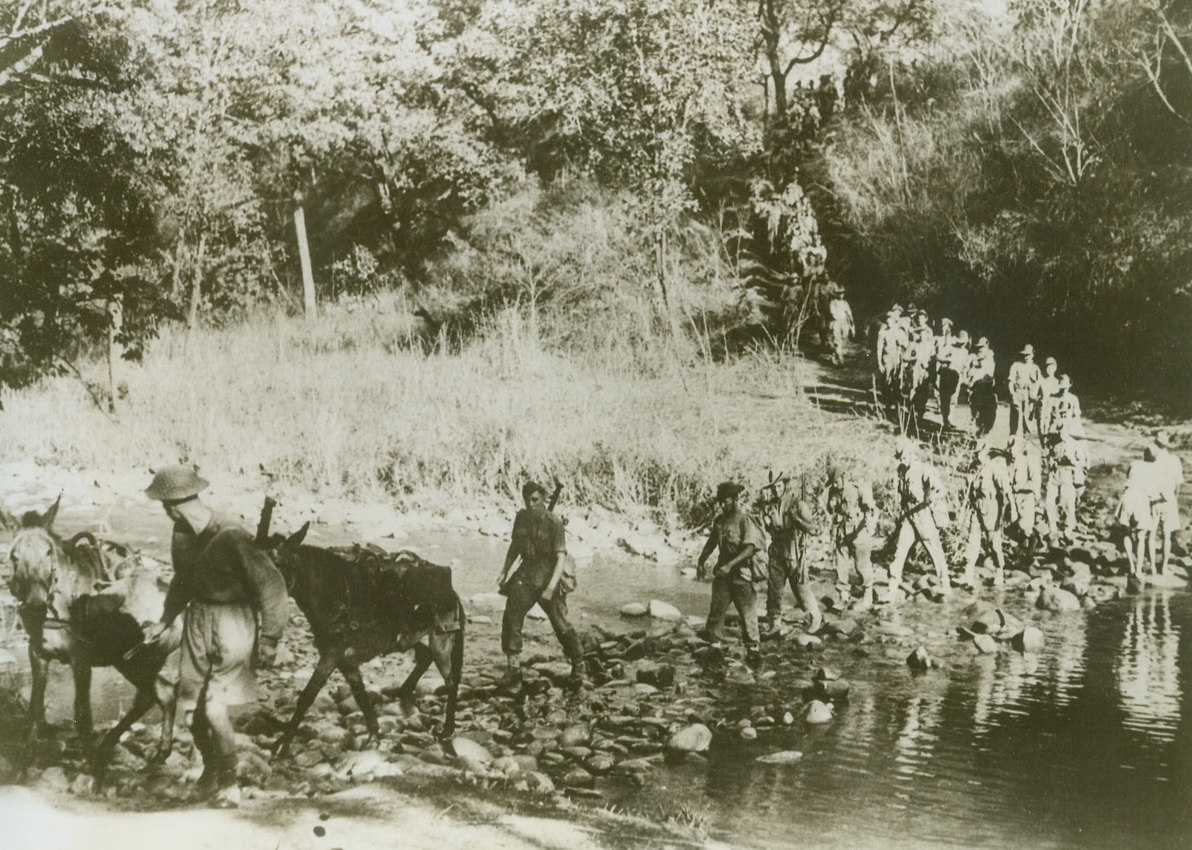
818	713
784	757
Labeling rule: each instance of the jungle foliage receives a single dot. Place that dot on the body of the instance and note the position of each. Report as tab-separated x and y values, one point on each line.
1027	169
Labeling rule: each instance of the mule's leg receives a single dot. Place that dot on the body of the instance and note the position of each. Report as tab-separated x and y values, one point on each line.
165	694
447	651
39	668
101	754
327	662
81	667
351	672
422	660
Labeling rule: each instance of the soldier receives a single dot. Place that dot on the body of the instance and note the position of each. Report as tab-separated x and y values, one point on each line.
843	327
853	514
891	339
983	395
947	356
1025	386
1065	466
1135	512
737	574
539	539
1026	480
1049	386
234	608
988	498
960	362
1167	512
789	519
920	497
917	364
1065	411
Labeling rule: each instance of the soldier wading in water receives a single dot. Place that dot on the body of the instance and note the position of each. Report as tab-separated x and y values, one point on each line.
538	539
738	573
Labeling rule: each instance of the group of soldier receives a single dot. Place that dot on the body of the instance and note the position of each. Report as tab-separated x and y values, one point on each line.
913	363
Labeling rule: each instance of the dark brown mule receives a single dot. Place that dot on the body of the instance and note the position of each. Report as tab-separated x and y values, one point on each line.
82	603
362	603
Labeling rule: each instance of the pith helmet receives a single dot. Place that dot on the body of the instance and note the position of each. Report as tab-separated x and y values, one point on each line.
1163	439
1065	382
904	449
174	483
1028	349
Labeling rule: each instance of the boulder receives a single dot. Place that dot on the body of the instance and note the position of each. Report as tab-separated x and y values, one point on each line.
832	689
1030	639
660	610
696	738
817	713
809	642
748	733
634	609
599	764
1057	601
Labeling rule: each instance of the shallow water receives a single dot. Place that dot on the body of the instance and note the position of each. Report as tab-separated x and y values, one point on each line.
1081	746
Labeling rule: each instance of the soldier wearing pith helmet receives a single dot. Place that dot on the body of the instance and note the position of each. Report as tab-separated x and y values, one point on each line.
234	609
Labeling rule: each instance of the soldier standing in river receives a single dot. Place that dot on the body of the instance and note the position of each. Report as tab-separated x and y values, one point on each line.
920	497
1065	465
539	540
852	512
1167	511
1026	480
1136	512
789	521
234	608
988	499
1025	385
737	574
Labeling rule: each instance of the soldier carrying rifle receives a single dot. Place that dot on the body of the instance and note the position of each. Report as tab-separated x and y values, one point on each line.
788	519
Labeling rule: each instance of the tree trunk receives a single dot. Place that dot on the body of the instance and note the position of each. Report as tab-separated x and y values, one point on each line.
196	288
308	278
116	321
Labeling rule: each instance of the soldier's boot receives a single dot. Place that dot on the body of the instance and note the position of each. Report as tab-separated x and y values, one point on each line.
513	671
893	593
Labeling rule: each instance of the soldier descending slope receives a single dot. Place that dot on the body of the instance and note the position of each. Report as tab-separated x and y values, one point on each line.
843	327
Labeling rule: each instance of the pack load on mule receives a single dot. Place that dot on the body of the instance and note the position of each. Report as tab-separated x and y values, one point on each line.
82	603
362	602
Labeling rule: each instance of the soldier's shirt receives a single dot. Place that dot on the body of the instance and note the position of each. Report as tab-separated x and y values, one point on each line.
1171	473
538	536
991	481
850	506
1025	379
733	532
918	482
1026	471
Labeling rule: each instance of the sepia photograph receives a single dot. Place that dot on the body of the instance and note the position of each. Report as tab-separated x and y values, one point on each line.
595	424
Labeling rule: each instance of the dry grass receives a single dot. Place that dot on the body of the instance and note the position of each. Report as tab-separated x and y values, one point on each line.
345	407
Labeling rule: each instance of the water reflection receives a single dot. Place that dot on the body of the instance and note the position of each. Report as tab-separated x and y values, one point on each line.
1148	671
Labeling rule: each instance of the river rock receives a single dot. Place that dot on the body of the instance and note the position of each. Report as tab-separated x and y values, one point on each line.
817	713
748	733
660	610
784	757
809	642
660	676
53	779
362	764
826	674
507	765
985	644
634	767
482	603
1057	601
833	689
634	609
576	735
1030	639
540	783
919	659
842	626
577	777
599	764
472	756
695	738
83	785
642	545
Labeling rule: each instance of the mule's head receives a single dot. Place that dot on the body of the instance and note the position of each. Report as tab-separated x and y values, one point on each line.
35	556
286	553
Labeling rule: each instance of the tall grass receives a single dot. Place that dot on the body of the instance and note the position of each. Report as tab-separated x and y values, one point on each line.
342	407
